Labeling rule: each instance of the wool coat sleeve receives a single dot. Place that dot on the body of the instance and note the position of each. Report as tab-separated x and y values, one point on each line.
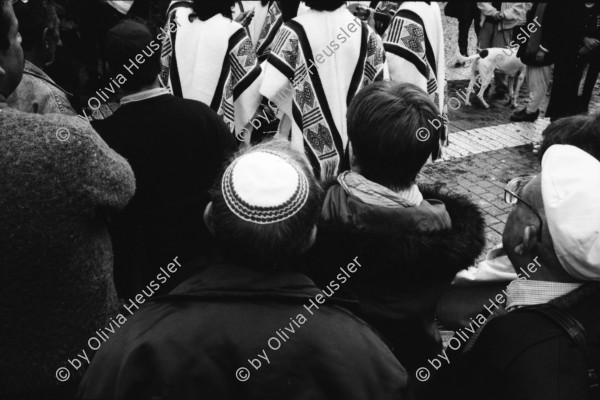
102	177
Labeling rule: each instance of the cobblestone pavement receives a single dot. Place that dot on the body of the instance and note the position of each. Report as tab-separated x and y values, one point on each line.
482	177
486	150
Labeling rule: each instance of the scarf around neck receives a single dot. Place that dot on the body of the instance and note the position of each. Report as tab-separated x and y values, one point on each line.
375	194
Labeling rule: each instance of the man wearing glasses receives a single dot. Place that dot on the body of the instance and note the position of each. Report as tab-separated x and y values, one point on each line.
545	344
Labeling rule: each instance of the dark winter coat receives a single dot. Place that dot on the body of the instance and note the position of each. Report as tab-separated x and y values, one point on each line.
406	265
59	182
176	148
523	355
192	343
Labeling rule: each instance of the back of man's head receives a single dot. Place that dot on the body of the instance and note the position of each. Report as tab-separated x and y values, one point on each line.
38	25
11	53
265	208
582	131
324	5
5	23
206	9
131	50
392	130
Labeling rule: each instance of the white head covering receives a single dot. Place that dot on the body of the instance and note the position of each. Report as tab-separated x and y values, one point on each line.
264	187
571	194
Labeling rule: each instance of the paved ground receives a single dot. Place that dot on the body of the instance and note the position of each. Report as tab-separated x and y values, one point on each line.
486	150
482	177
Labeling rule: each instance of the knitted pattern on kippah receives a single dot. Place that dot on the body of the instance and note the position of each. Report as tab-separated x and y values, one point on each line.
258	214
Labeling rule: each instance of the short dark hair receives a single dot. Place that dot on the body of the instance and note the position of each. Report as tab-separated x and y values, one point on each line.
582	131
34	16
392	131
324	5
119	52
289	9
206	9
5	25
271	246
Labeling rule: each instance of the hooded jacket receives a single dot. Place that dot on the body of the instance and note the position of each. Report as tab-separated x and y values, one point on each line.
409	256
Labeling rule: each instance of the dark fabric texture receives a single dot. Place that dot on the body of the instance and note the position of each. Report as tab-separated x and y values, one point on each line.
59	183
526	356
462	10
406	263
188	345
464	25
527	51
176	148
564	37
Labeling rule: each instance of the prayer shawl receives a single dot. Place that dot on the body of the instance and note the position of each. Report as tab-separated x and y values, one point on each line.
120	5
414	45
214	62
318	62
264	26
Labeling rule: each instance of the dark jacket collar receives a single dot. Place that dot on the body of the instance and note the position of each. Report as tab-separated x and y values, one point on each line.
228	281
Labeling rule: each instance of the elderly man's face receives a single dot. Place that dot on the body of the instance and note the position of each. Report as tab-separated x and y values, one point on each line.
520	231
11	59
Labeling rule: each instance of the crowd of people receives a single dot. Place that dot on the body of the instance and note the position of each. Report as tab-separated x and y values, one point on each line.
541	35
227	206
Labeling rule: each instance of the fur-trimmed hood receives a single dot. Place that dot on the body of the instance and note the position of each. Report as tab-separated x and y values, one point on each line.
409	250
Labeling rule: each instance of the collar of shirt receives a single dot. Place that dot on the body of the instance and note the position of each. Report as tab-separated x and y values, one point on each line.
521	292
145	95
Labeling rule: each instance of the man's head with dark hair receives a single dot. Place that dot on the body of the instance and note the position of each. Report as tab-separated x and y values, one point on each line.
11	52
206	9
324	5
289	9
265	208
390	132
40	28
132	50
581	131
4	25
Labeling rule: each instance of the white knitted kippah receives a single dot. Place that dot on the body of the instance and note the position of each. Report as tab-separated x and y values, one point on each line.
264	187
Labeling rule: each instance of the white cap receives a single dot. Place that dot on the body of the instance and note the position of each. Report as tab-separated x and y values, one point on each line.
571	194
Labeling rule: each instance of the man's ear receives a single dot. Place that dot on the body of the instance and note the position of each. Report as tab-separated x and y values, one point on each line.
208	219
310	240
529	243
353	160
45	39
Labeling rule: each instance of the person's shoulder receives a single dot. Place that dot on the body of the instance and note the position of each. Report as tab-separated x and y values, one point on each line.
196	113
510	335
189	105
47	123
